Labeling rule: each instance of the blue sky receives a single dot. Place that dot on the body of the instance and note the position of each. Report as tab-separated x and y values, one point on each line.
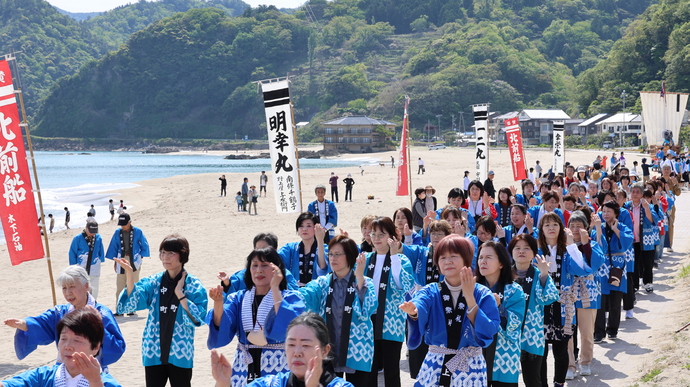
105	5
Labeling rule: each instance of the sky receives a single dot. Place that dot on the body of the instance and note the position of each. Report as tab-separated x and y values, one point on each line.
105	5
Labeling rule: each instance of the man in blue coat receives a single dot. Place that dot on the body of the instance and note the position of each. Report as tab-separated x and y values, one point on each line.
130	243
87	251
325	210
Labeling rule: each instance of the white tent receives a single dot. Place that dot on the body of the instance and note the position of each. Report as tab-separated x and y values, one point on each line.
662	112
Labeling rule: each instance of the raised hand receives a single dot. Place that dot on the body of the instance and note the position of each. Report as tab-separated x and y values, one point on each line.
179	289
584	236
596	220
220	369
359	266
532	201
513	190
542	264
319	232
468	280
16	324
343	232
89	367
314	369
409	308
406	230
529	221
393	245
124	263
569	237
223	276
277	276
216	294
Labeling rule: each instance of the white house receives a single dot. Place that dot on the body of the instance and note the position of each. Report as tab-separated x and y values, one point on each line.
536	125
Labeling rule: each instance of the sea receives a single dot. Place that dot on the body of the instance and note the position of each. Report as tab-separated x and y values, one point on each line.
77	180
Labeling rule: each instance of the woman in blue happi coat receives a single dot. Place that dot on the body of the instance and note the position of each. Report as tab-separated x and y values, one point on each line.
565	262
645	231
405	229
307	350
532	273
80	335
258	316
425	272
393	278
456	318
176	303
346	300
503	355
306	259
520	223
40	330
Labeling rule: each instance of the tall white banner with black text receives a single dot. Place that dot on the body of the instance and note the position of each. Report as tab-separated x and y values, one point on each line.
282	144
481	115
558	146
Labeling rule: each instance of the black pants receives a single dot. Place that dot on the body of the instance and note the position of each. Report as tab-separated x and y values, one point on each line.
386	353
223	192
348	192
157	376
334	194
358	378
645	259
629	297
262	188
416	359
612	303
532	364
420	169
560	356
489	355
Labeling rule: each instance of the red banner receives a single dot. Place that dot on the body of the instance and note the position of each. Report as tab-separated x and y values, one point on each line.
18	214
403	177
517	155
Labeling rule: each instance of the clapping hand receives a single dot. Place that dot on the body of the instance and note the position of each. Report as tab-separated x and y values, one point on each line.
409	308
221	369
542	264
216	294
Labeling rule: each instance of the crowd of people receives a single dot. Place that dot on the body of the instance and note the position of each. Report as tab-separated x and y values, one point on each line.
481	289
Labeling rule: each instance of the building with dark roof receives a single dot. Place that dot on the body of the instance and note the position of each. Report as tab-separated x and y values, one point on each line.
356	134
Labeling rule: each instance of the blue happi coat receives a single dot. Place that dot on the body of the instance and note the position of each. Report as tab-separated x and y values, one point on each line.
146	295
532	339
237	282
289	252
41	331
282	378
520	199
418	256
592	282
431	327
360	353
649	235
511	231
275	329
45	377
618	248
79	254
506	367
140	247
394	318
470	219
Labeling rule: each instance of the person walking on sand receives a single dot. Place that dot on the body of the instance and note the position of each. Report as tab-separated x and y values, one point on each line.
361	170
349	182
392	162
263	181
52	223
223	186
67	217
420	167
253	198
245	193
92	211
333	181
87	251
121	209
111	208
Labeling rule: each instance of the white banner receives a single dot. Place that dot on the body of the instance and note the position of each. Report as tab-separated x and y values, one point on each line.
558	147
283	146
662	112
481	114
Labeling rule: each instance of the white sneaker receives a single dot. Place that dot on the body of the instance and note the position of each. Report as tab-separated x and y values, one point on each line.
570	375
585	370
629	314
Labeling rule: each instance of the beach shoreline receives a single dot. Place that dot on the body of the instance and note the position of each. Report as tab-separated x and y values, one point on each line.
220	237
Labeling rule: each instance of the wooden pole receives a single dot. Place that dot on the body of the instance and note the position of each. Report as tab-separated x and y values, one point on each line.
406	129
25	125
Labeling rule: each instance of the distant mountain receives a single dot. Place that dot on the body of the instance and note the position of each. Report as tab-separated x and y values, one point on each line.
78	16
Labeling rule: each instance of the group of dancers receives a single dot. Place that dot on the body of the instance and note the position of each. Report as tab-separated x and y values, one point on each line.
478	290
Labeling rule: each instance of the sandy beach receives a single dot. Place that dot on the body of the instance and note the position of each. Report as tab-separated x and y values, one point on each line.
220	239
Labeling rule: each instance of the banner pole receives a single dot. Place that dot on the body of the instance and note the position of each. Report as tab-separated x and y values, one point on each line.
25	124
299	171
406	128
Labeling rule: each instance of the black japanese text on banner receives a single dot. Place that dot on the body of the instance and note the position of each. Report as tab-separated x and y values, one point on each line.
282	143
481	114
558	146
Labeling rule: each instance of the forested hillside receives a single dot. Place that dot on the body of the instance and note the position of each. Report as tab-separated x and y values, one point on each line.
191	75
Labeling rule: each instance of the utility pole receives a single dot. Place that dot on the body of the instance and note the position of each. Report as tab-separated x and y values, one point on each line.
624	95
438	128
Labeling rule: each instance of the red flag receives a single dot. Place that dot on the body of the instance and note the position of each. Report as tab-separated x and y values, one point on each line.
403	177
517	155
18	214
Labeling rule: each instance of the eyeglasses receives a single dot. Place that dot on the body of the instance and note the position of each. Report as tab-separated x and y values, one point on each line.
336	255
167	254
437	234
377	236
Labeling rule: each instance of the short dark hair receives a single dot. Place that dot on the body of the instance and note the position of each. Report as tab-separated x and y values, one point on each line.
269	255
531	242
349	247
527	182
85	323
601	197
408	215
478	184
314	322
385	224
486	222
457	193
506	275
569	198
418	191
520	208
506	191
612	204
306	216
177	244
267	237
455	244
440	225
548	195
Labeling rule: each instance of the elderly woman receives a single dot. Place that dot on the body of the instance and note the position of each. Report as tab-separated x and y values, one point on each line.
40	330
81	337
307	350
177	303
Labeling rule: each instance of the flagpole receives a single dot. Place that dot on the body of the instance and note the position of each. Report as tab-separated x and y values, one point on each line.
406	129
294	135
25	125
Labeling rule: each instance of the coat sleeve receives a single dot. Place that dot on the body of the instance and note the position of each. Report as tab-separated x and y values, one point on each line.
144	245
291	281
220	336
277	323
547	294
73	252
318	271
41	331
197	302
313	294
367	308
423	300
113	342
41	376
139	299
332	214
514	305
98	250
487	322
114	246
